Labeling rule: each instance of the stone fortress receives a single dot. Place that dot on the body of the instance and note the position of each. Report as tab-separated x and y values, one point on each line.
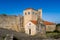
17	23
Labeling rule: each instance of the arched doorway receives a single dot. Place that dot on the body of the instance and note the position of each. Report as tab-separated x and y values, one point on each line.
29	31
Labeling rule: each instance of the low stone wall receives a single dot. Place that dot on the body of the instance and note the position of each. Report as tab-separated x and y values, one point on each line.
36	39
28	38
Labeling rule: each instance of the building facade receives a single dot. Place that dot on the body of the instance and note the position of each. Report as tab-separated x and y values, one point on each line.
50	27
32	21
31	14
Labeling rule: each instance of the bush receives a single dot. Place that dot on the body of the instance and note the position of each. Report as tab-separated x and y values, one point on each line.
49	32
56	31
4	14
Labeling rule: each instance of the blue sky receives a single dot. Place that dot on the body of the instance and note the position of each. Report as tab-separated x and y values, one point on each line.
50	8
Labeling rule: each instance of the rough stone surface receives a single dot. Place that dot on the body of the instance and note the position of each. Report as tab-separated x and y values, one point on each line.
11	22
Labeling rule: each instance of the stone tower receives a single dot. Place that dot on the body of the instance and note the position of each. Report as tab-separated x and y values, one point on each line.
40	13
31	14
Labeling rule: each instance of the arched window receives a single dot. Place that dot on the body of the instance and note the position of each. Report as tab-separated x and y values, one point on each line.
25	13
29	23
28	13
32	12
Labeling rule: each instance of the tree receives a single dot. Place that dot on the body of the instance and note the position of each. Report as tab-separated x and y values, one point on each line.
4	14
58	24
58	27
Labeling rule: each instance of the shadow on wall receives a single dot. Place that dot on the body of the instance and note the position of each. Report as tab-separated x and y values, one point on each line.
14	38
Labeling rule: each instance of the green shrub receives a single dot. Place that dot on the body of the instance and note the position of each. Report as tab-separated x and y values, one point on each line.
49	32
56	31
4	14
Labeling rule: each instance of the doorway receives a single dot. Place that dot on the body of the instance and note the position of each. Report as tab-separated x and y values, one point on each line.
29	31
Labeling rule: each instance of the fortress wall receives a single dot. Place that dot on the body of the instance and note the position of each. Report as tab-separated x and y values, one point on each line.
10	22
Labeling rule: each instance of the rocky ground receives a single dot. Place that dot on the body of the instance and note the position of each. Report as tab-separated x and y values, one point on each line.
21	36
4	32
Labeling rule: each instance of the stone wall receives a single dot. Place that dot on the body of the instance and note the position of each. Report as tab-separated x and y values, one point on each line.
50	28
58	28
11	22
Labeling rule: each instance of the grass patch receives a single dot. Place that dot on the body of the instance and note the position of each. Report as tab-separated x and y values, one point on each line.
53	34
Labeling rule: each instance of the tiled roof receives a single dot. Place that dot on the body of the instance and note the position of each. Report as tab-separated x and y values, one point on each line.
45	22
48	23
34	21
